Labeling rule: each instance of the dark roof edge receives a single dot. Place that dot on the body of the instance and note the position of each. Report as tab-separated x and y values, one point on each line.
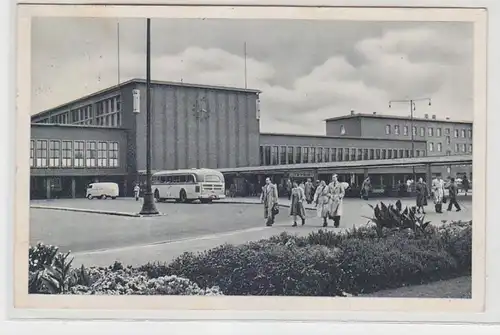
344	137
395	117
73	126
143	81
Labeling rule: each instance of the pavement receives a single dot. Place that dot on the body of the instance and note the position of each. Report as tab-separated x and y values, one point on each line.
99	239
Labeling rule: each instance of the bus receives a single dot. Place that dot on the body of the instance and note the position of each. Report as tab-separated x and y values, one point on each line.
189	185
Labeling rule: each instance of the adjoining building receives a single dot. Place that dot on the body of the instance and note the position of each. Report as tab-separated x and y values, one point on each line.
99	138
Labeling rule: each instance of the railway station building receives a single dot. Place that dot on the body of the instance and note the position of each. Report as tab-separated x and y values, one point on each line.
101	137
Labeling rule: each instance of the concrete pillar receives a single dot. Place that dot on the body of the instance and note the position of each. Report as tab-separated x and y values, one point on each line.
48	187
428	174
73	187
365	174
315	175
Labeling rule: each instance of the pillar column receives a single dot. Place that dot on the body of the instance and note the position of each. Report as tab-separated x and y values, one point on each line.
428	174
365	174
48	186
73	187
315	175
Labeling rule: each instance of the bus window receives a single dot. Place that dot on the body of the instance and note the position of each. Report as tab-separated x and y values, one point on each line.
190	179
212	179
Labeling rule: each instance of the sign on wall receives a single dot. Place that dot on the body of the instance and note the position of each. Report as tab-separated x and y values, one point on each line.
136	95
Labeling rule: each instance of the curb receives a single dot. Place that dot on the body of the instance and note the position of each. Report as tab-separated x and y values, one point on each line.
68	209
257	203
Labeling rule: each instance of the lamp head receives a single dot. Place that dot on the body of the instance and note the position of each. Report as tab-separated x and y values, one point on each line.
430	102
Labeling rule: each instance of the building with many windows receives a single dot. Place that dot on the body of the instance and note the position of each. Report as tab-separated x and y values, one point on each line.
100	137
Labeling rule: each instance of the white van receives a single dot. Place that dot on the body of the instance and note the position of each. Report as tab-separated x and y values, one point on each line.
102	190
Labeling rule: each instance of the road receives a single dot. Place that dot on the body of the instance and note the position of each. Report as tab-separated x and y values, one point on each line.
97	239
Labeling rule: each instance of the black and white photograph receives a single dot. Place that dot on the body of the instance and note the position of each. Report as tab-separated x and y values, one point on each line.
224	156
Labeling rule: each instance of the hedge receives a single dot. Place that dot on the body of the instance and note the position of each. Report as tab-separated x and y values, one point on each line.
324	263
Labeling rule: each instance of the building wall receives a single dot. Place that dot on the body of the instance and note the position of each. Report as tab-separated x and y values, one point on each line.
183	136
352	127
74	133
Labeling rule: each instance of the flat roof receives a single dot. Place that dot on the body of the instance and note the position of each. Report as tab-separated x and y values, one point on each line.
344	137
374	163
82	126
392	117
143	81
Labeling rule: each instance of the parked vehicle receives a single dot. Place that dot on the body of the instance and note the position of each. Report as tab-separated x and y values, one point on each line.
102	190
188	185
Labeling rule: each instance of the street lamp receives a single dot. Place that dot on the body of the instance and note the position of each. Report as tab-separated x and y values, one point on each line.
411	102
148	205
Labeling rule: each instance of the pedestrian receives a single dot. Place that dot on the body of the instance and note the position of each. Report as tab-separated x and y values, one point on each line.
337	193
308	189
297	204
465	184
438	193
365	188
269	198
452	195
289	187
321	200
232	190
422	194
137	190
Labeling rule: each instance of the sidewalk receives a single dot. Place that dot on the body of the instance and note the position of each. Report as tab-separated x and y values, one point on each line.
283	202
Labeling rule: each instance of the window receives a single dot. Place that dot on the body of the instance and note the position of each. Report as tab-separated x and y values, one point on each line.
395	153
384	154
417	153
405	130
319	155
430	131
346	154
32	152
377	154
456	132
102	154
422	131
414	130
342	129
312	155
282	155
274	156
326	155
261	155
90	154
447	131
305	154
54	153
108	112
366	155
41	153
267	155
439	147
396	129
67	154
353	154
457	147
448	140
340	154
290	155
333	154
113	154
448	152
470	148
401	153
431	146
439	132
463	133
389	153
82	116
372	154
388	129
470	133
298	155
407	153
360	155
464	147
79	153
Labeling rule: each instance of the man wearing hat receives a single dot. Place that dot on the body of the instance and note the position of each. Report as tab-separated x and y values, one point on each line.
337	191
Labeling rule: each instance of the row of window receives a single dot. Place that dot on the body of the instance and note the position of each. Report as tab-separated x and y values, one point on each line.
459	147
430	131
107	114
281	155
78	154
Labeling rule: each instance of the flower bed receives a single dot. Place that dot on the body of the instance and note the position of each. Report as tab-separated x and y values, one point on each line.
324	263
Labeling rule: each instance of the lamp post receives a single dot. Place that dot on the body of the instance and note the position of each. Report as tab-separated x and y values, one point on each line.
411	102
148	205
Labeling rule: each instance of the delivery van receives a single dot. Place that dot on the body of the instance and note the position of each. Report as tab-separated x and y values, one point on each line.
102	190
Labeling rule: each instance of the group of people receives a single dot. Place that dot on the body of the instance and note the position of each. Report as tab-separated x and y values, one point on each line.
327	197
438	187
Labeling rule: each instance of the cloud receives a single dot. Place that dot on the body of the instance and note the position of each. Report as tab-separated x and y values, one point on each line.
300	88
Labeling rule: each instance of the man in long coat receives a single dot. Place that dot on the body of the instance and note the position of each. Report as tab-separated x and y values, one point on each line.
308	189
336	191
453	192
322	201
269	198
438	193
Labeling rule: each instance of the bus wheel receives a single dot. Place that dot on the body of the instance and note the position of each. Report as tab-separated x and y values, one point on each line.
157	195
182	196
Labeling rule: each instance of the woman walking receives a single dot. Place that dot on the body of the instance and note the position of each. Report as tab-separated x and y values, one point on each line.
322	200
438	194
365	188
297	205
422	193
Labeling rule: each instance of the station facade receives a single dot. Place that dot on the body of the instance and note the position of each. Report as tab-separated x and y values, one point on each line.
99	137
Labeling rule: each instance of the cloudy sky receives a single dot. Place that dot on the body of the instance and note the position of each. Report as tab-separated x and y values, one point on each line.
307	70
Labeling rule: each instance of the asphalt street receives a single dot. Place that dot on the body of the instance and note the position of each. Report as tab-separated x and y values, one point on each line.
98	239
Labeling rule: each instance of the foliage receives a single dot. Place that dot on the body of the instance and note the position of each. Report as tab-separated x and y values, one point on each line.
394	217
